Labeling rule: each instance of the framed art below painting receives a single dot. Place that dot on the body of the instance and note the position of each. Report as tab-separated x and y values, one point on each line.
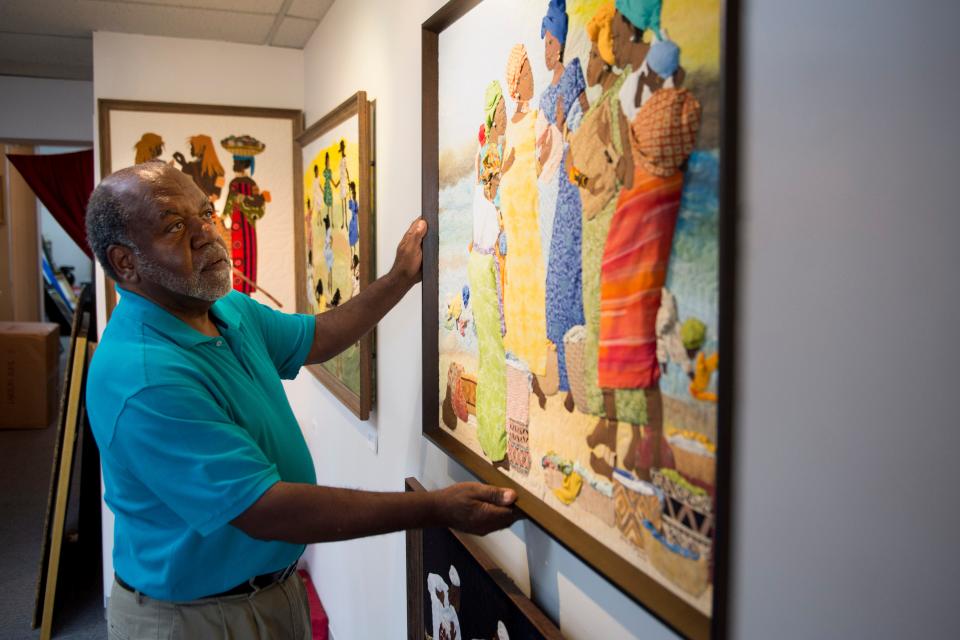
578	174
455	590
335	237
243	159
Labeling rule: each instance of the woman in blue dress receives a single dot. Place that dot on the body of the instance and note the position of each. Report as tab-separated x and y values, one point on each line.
563	102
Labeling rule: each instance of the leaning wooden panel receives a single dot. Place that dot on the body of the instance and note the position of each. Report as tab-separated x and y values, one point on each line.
335	236
243	159
578	180
63	475
83	310
455	590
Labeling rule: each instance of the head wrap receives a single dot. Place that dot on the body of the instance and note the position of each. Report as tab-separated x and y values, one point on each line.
665	130
555	21
600	32
518	55
664	58
643	14
492	98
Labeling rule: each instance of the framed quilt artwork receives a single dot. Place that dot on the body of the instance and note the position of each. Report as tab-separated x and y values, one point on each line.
577	295
454	591
335	236
243	159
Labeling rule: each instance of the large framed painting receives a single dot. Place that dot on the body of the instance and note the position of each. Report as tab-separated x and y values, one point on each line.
578	176
335	234
455	590
243	158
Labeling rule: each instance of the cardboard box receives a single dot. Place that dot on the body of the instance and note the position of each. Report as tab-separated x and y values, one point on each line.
29	374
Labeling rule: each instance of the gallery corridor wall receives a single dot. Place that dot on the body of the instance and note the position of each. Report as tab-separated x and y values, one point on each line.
40	109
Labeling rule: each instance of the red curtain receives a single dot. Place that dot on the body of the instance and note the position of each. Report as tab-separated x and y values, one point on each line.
63	182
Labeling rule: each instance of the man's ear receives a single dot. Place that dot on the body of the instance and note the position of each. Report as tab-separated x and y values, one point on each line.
124	263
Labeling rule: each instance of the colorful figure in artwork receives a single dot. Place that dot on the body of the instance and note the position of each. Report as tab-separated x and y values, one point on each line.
148	147
327	185
637	250
525	292
693	335
343	182
484	273
562	103
354	228
245	205
204	167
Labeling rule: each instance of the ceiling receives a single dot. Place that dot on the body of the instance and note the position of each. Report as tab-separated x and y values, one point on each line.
53	38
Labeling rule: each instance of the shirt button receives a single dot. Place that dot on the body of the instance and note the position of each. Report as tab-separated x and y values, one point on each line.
219	343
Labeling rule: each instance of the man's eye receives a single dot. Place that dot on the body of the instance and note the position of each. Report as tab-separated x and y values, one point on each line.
208	213
177	226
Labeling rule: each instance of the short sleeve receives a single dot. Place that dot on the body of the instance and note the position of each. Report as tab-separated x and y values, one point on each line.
182	446
288	337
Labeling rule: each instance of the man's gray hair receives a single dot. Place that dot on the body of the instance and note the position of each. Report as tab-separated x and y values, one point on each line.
111	207
106	224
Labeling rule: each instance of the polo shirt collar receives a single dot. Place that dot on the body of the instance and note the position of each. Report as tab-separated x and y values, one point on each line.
147	312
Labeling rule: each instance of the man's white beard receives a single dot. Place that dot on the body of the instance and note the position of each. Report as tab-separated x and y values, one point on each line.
203	285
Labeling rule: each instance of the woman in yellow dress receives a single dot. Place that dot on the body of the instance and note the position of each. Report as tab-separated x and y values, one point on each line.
525	292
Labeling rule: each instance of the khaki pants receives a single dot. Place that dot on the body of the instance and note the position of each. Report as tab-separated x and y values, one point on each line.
280	612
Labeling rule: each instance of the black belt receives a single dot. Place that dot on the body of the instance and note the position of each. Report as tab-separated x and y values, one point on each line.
250	586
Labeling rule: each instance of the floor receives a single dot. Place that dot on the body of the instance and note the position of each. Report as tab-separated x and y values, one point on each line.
25	468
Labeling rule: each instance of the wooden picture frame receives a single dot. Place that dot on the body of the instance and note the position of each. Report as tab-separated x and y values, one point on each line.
526	621
359	400
644	588
107	110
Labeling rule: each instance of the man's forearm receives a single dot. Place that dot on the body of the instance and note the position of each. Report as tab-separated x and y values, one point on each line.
303	514
341	327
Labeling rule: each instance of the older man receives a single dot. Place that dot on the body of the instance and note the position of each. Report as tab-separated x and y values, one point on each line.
205	467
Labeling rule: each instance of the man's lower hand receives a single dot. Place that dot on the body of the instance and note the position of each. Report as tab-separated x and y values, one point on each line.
476	508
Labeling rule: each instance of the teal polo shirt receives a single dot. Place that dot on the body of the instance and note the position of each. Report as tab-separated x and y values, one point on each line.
192	430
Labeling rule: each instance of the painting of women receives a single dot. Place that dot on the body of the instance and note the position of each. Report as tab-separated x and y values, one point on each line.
483	271
525	293
245	205
148	147
343	182
637	250
558	102
204	167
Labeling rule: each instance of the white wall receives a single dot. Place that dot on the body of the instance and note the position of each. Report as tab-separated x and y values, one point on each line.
846	516
134	67
43	109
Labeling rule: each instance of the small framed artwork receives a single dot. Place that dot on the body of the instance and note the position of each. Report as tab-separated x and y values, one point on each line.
578	183
244	160
455	590
335	236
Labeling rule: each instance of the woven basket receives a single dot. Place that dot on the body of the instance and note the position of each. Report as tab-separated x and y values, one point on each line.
599	504
630	508
469	384
574	345
518	446
680	534
695	465
518	393
455	384
690	575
